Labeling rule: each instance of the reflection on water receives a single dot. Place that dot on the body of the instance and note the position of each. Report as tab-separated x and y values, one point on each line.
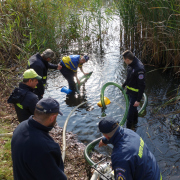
155	130
74	100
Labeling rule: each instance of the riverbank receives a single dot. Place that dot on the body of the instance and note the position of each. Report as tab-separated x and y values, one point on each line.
76	167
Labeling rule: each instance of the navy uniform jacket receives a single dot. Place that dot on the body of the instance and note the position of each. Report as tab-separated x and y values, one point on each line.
35	155
24	101
131	159
135	81
41	67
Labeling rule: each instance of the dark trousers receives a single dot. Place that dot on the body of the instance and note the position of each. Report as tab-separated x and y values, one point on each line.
69	76
132	117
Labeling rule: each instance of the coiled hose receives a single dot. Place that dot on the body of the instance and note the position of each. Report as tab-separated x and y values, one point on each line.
91	145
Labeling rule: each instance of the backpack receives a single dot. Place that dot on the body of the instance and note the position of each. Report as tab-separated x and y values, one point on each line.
17	96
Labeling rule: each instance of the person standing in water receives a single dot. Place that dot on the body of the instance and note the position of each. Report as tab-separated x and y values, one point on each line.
135	84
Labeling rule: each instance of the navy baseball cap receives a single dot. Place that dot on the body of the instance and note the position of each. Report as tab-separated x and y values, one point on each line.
48	105
86	58
107	125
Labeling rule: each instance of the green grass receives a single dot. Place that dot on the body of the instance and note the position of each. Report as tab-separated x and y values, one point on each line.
6	170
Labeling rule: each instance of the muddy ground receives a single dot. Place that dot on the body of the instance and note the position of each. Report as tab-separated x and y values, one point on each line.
76	167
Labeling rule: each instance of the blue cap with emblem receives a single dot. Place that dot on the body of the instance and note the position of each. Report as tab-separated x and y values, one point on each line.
107	125
48	105
86	58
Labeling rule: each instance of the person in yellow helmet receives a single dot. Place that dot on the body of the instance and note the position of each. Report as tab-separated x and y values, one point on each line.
69	68
23	97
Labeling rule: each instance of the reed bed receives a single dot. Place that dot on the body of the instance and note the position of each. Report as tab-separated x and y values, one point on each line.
30	26
151	28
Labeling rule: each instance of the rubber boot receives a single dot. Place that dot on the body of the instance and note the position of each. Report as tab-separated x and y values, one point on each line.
66	90
129	124
135	121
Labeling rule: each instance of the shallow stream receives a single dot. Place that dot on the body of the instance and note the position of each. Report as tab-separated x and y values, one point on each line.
155	130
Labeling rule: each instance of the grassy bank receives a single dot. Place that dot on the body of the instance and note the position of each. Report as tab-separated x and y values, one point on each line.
6	171
7	121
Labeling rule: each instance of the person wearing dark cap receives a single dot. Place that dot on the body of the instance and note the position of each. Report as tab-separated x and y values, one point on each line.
131	158
69	68
41	63
23	97
35	155
135	84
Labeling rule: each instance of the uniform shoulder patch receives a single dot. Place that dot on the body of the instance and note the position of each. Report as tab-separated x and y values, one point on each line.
141	76
119	173
120	177
120	169
141	72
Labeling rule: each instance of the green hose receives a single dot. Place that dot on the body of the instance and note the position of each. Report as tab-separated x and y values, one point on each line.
91	145
143	108
82	80
125	96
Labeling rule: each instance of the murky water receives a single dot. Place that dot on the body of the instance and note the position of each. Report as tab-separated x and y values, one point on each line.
155	130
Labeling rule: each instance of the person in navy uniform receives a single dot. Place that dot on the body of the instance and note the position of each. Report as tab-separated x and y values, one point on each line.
35	155
135	84
131	158
23	97
41	63
69	68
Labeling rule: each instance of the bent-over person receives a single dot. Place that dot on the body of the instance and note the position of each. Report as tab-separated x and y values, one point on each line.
131	158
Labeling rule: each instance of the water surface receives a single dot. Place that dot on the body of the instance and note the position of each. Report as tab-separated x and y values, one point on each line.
155	130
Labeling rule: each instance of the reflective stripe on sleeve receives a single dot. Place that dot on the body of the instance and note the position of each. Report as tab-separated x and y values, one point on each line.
132	89
19	105
28	64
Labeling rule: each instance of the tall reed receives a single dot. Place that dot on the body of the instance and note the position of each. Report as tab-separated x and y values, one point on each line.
155	26
29	26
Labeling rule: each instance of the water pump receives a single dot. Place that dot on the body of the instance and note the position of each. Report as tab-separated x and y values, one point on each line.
103	171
